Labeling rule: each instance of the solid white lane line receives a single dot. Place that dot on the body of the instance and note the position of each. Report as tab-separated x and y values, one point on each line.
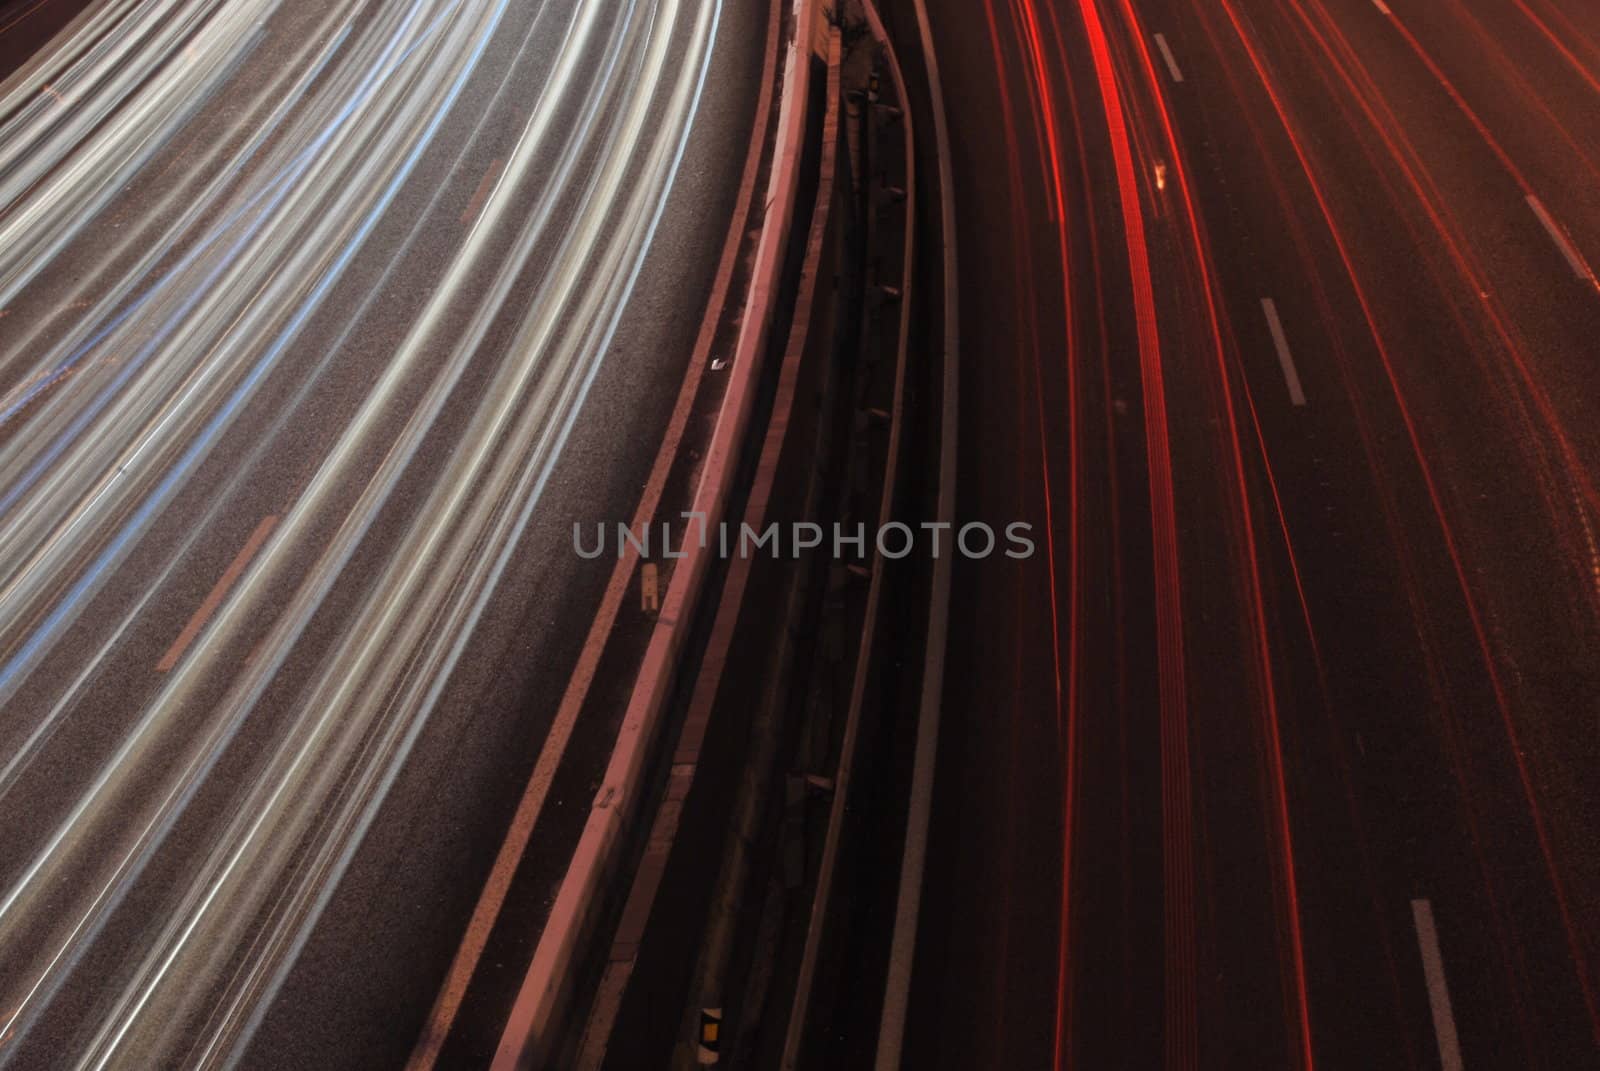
1444	1020
1382	7
1285	359
1557	235
1166	54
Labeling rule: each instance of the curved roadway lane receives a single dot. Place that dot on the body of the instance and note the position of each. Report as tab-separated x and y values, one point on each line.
1281	752
320	324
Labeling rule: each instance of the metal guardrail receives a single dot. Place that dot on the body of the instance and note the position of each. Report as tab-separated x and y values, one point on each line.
881	406
873	477
788	472
914	852
794	661
534	1026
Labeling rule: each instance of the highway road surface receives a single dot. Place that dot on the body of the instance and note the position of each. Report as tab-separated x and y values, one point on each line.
320	325
27	24
1285	328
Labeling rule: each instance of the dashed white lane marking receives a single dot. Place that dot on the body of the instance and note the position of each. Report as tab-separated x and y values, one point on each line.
218	591
481	194
1166	54
1382	7
649	588
1444	1020
1285	359
1557	235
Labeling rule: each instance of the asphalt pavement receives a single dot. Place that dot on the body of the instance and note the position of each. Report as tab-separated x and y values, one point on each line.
320	326
1280	319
